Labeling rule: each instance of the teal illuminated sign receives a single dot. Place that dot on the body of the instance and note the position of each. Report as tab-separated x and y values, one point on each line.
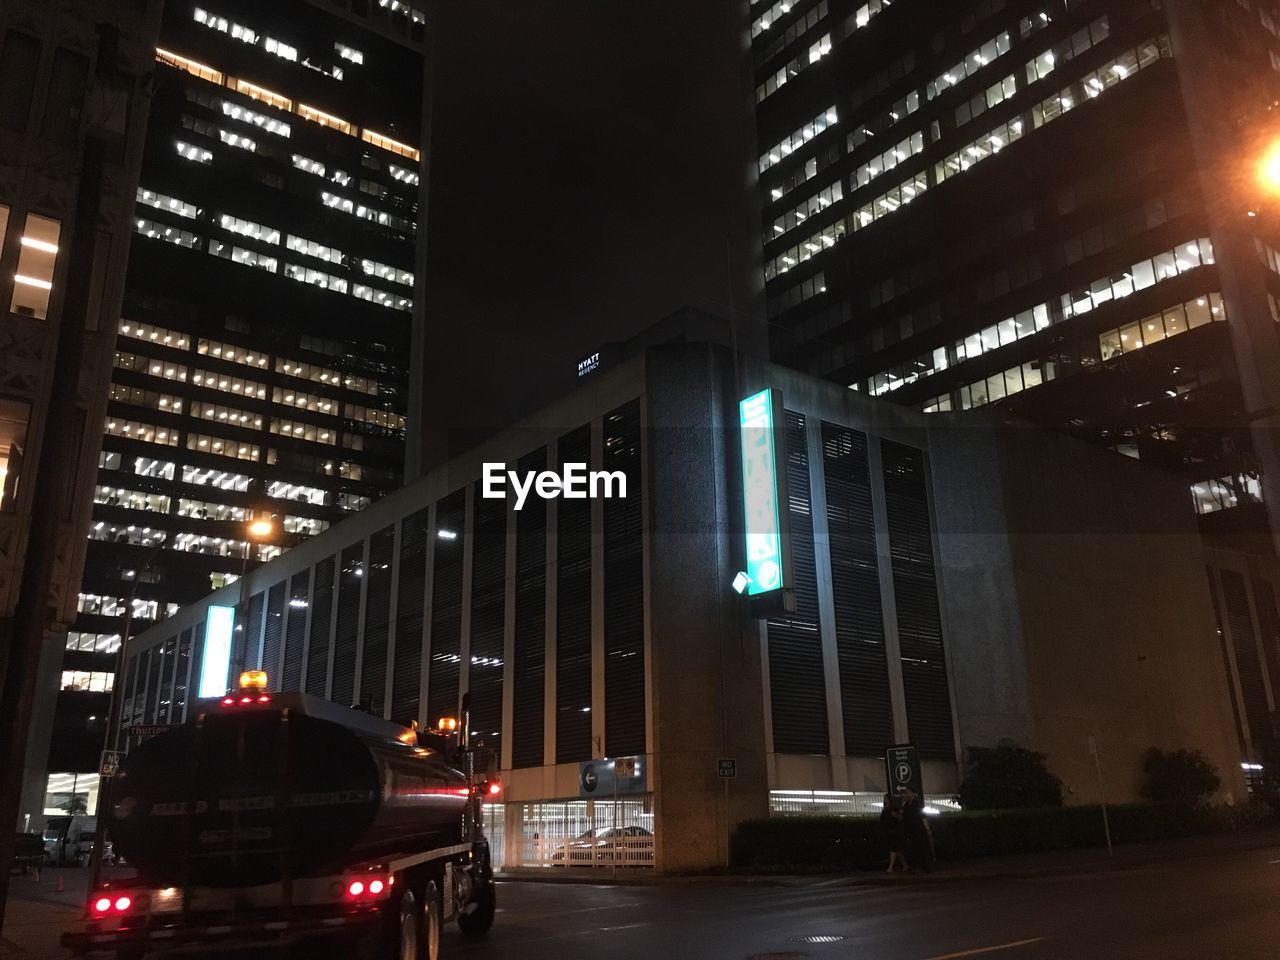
760	429
215	662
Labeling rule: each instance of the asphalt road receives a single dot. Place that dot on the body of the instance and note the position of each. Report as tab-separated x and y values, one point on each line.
1216	907
1205	905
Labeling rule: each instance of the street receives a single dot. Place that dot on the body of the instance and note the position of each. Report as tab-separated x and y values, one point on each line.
1203	904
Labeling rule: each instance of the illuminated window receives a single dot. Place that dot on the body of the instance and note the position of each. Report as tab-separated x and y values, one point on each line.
159	231
154	368
799	138
393	300
209	510
236	140
250	258
220	479
193	153
215	411
971	64
14	417
318	278
403	175
304	431
83	681
298	492
93	642
1171	322
229	351
263	95
139	397
309	165
386	272
192	67
338	203
212	546
223	25
322	118
304	526
131	499
779	79
221	447
382	418
168	204
134	430
229	384
1210	496
33	279
386	143
349	53
260	120
281	49
247	228
154	334
313	249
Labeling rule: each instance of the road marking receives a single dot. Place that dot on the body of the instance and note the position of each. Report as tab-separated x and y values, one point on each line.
981	950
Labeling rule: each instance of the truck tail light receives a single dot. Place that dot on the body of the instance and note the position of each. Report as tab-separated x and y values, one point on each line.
104	904
368	888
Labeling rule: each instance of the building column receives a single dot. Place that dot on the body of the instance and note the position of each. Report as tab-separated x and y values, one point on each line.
597	597
366	546
552	621
424	669
509	641
392	611
888	596
826	602
468	554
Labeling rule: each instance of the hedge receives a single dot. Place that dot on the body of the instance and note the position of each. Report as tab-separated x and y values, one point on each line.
798	844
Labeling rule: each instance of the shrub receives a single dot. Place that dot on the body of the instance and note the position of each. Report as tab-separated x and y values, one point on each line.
1008	777
809	844
1178	776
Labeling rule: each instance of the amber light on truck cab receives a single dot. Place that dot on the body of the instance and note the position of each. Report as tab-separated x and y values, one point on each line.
253	689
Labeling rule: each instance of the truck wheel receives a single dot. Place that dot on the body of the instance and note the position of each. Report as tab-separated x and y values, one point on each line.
431	922
408	929
476	916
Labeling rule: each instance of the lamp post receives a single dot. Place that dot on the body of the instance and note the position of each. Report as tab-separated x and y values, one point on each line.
258	528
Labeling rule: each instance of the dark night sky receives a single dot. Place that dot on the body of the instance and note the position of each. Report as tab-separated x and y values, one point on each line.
589	166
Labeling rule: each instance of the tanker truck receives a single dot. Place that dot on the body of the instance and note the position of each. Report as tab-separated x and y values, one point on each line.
281	822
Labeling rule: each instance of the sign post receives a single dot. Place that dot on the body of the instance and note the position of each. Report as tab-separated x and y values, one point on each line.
902	765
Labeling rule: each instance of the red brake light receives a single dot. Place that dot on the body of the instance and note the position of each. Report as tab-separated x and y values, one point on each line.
102	905
495	788
228	701
264	699
355	888
376	887
123	904
246	699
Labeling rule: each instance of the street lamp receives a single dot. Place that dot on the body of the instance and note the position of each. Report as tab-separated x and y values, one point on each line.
257	529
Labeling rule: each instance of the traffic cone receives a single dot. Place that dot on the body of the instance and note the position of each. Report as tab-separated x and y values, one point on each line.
59	887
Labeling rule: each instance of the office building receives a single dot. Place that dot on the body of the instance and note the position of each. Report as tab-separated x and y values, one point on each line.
262	362
1050	206
72	119
955	583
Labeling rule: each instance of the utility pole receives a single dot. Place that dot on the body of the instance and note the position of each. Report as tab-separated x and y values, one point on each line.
54	475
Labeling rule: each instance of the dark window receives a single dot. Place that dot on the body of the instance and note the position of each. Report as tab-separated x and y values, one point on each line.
19	66
573	613
181	671
321	620
197	654
1244	643
796	679
406	677
488	620
624	689
249	640
351	573
855	586
64	98
272	633
154	669
295	631
529	669
924	666
446	608
165	700
377	620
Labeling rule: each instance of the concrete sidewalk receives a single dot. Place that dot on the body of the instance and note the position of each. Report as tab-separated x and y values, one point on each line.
1017	866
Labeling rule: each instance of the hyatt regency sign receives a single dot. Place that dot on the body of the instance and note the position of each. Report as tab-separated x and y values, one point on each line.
768	544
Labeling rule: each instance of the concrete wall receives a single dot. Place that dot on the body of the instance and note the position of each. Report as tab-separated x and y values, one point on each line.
707	692
1101	571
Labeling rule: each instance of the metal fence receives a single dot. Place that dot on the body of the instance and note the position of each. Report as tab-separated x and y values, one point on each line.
583	833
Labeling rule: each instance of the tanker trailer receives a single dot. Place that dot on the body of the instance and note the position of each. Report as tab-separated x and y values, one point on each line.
282	821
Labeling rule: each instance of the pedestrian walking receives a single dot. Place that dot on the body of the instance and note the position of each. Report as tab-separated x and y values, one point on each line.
892	831
917	838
